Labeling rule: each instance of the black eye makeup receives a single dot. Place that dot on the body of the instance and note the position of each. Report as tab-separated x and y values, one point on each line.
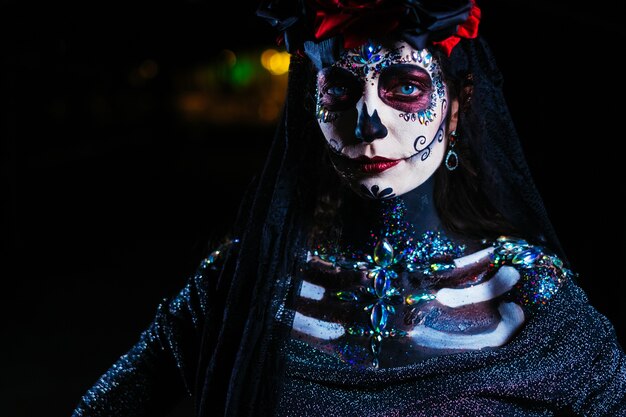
338	89
405	87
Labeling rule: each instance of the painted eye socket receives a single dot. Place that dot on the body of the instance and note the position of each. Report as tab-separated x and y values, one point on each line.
405	87
338	89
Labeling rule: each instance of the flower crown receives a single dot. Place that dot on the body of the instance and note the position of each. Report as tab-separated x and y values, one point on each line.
333	25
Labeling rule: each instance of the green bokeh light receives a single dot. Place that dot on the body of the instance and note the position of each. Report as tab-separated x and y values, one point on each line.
242	72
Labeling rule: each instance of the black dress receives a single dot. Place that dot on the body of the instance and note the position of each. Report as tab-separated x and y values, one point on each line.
565	360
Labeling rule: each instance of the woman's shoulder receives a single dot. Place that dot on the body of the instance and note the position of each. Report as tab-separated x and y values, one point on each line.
217	253
205	278
542	273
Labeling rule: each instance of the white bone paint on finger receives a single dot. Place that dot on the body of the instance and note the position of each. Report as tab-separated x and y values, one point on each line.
312	291
501	282
473	257
317	328
512	318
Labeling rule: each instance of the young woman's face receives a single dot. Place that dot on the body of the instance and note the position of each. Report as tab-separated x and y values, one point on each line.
383	113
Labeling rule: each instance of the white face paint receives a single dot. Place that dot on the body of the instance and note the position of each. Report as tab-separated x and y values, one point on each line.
383	113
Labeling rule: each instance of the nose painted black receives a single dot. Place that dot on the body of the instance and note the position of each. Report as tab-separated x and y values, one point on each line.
369	128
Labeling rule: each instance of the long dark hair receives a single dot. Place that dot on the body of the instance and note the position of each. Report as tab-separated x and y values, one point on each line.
459	197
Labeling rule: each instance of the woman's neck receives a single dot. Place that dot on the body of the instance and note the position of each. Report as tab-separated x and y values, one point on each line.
415	210
420	208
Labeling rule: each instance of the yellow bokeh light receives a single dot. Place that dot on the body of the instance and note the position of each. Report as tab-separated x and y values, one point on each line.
266	56
275	62
279	63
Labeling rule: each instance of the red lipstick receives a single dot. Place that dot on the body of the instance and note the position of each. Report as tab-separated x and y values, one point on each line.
376	164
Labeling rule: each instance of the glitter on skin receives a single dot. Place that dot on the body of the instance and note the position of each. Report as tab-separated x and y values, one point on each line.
472	258
512	318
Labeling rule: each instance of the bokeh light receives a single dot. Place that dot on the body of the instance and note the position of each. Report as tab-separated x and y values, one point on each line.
237	87
275	62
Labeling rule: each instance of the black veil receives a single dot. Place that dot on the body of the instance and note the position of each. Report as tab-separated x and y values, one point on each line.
505	176
242	338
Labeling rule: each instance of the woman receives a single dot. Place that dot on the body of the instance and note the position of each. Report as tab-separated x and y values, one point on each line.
424	279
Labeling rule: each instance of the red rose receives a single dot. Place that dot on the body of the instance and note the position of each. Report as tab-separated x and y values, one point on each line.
358	21
468	30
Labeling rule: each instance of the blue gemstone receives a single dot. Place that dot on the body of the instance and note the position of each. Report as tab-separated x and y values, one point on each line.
526	258
427	59
379	317
375	363
381	283
383	253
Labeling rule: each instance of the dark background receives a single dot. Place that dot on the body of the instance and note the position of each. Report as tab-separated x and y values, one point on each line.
111	197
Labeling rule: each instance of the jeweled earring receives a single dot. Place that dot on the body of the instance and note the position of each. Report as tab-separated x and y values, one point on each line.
452	158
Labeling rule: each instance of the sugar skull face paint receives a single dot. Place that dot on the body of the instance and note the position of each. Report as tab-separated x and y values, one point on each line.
383	112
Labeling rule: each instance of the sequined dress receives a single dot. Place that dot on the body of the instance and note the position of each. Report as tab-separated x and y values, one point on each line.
564	360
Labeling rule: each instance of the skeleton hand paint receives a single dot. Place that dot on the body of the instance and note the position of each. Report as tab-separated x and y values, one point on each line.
383	112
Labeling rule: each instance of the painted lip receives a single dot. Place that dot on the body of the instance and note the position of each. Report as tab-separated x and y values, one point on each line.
376	164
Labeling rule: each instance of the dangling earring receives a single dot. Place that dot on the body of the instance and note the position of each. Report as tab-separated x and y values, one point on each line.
452	158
